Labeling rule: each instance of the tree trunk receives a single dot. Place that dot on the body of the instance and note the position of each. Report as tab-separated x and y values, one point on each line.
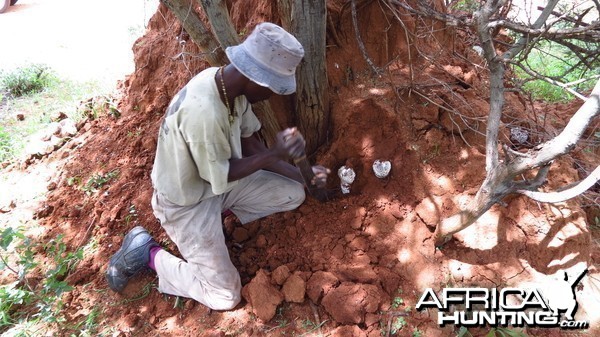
307	21
497	185
214	46
199	33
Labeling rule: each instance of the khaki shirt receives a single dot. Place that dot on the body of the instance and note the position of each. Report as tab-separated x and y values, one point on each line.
196	141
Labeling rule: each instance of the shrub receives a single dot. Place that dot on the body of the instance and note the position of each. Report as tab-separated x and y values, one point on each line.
26	80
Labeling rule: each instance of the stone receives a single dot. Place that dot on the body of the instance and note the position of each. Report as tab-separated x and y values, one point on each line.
349	302
280	274
261	241
240	234
294	289
262	296
319	284
56	141
68	128
58	116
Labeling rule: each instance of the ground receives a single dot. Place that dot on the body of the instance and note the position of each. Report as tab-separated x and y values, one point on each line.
354	266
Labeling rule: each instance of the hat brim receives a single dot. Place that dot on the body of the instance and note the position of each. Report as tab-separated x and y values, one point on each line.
259	74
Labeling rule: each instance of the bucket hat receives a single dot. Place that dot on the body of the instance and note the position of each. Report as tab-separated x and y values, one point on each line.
268	57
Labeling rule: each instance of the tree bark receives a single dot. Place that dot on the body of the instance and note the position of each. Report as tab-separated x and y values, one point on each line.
307	21
224	31
213	46
199	33
220	22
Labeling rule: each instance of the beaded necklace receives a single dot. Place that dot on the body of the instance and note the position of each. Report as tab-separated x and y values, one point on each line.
231	117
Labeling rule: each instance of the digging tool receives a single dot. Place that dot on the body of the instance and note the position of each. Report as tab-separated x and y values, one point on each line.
307	173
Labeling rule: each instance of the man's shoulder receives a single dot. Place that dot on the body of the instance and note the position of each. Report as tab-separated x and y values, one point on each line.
204	76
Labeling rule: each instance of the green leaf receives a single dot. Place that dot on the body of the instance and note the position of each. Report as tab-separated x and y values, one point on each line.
7	237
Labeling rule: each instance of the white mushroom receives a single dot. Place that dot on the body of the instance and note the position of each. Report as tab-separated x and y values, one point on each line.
347	176
382	168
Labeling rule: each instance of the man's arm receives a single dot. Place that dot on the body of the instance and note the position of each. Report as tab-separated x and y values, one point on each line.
257	156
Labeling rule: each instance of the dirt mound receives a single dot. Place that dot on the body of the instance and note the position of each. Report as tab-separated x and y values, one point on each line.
356	265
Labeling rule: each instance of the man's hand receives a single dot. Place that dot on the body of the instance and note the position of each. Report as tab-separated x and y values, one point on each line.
320	178
289	143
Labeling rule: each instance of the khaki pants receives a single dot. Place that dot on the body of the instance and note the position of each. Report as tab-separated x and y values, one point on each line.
206	273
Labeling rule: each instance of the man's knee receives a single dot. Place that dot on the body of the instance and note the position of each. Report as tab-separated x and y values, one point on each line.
223	299
297	196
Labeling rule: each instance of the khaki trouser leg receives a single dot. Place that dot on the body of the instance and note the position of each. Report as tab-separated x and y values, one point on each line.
206	273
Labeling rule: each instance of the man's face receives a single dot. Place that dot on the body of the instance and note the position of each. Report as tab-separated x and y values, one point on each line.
256	93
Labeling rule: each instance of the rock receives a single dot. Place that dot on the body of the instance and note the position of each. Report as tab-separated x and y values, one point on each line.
319	284
294	289
388	279
280	274
52	129
189	304
58	116
261	241
37	147
359	243
359	273
372	319
56	141
68	128
240	234
349	302
262	296
338	251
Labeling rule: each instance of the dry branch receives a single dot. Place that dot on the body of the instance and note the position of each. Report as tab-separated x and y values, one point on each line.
567	194
500	179
199	33
361	45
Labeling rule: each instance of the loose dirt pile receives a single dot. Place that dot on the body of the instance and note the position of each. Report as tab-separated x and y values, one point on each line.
357	265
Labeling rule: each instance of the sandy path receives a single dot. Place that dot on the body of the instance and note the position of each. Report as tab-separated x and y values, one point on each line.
79	39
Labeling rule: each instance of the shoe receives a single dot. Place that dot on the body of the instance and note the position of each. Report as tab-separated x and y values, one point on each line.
130	259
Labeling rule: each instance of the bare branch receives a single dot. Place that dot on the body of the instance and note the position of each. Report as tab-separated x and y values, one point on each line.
482	17
520	45
567	194
590	33
539	180
566	140
577	22
200	34
361	45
